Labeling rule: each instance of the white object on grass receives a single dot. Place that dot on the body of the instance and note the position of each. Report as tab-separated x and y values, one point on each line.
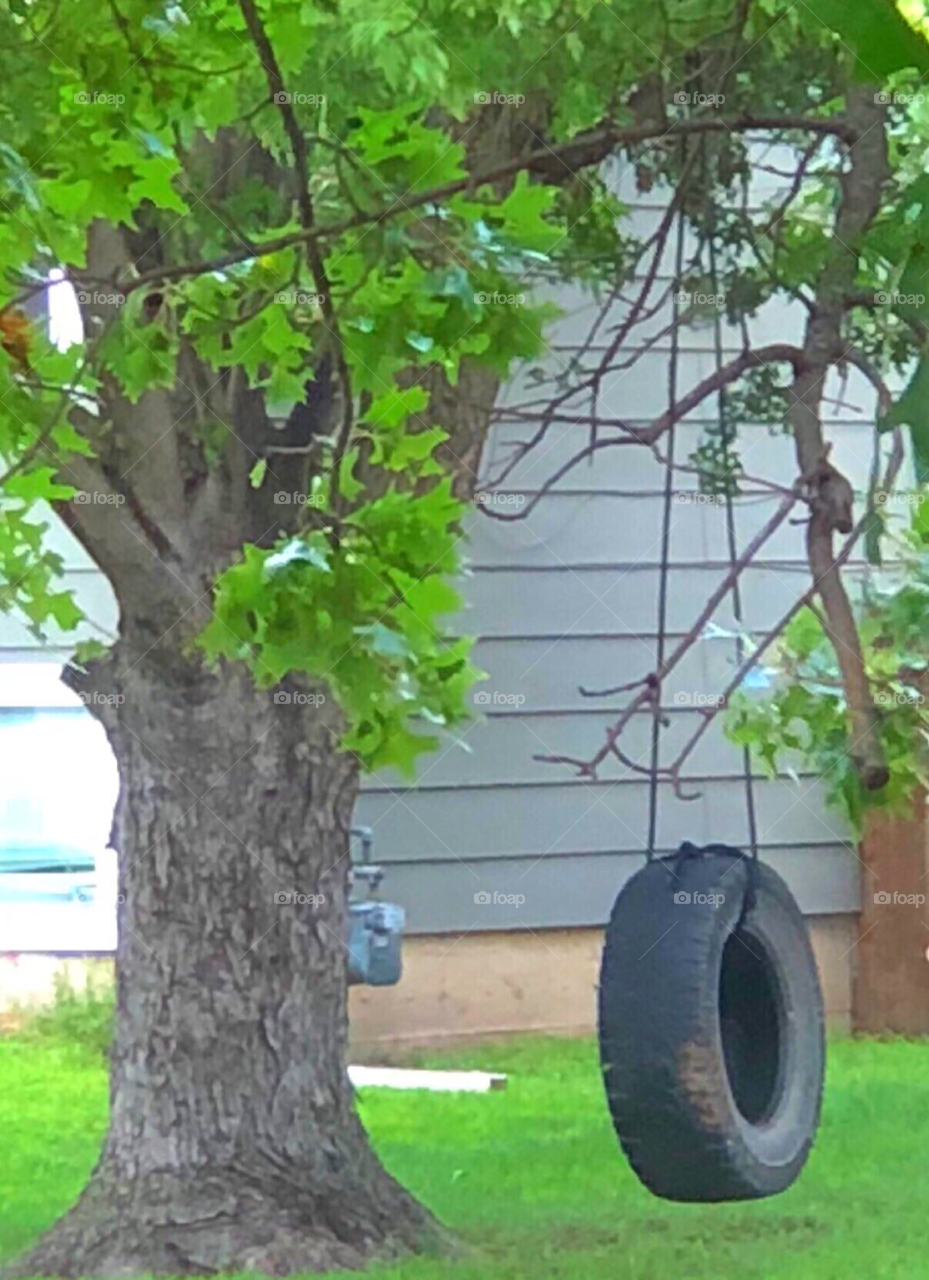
435	1081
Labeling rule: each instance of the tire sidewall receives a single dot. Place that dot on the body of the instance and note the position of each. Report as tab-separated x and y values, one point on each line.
777	934
661	1036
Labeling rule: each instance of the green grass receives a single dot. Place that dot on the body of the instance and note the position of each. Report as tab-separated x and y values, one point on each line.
533	1176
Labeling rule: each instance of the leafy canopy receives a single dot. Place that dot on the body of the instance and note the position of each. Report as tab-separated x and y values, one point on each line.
289	179
175	125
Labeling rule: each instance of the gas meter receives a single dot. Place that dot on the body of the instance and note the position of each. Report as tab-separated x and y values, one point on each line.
375	928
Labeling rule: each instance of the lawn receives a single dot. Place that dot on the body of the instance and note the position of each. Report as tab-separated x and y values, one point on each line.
533	1176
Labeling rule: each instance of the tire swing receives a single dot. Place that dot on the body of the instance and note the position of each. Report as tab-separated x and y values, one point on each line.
710	1011
711	1027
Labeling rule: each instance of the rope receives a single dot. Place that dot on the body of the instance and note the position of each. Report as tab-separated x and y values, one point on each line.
665	552
687	848
728	435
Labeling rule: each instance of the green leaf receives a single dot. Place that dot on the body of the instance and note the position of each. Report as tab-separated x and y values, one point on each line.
879	35
40	484
401	751
912	410
154	183
216	103
65	196
804	633
393	407
349	487
384	641
64	611
522	212
68	440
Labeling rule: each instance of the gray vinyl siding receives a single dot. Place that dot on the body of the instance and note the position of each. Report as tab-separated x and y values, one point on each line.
568	597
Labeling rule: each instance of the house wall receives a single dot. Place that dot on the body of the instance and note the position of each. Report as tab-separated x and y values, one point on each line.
483	985
457	987
568	597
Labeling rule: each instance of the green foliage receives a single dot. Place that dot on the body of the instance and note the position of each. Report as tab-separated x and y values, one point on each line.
807	716
115	133
80	1019
878	34
160	123
124	122
364	614
912	410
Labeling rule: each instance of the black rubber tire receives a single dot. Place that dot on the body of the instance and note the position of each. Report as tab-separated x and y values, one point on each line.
711	1030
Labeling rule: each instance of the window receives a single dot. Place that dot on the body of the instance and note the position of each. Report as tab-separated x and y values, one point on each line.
57	876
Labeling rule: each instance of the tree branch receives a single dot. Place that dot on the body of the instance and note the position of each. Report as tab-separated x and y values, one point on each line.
649	435
315	260
831	494
578	153
653	682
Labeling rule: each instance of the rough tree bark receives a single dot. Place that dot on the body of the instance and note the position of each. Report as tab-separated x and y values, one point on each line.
233	1142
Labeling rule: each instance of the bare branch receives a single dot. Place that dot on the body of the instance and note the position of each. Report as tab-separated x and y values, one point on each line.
314	255
652	683
648	435
806	600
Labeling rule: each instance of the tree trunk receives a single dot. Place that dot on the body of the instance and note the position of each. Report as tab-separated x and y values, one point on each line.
233	1142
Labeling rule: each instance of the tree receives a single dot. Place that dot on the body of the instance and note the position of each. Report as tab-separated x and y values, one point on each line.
296	232
844	241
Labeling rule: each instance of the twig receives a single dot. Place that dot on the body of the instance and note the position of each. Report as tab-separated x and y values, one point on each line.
651	692
648	435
